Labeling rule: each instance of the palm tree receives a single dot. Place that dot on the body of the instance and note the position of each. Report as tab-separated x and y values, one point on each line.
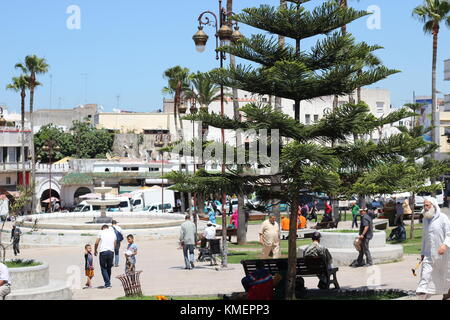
178	81
432	13
21	84
33	66
203	90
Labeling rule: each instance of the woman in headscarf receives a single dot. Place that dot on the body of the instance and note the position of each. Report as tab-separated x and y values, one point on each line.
435	276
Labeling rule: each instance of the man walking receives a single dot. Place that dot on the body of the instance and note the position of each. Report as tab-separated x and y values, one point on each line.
398	213
435	276
269	237
15	238
5	282
107	241
188	239
365	235
119	237
355	215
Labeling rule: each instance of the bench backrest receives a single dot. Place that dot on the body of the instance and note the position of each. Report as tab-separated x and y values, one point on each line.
308	265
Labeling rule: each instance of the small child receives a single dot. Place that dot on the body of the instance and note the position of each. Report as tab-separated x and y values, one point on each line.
130	255
88	265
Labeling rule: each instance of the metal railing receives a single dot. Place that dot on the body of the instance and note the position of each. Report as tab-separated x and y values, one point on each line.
14	166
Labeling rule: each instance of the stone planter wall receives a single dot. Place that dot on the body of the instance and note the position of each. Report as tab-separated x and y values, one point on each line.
29	277
33	283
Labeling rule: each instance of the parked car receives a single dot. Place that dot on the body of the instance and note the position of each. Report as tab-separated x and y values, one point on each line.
157	207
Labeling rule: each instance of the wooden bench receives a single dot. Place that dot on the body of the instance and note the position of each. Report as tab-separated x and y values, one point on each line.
306	267
381	224
326	225
256	217
230	233
301	233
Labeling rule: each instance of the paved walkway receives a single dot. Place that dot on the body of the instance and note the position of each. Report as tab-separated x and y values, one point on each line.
164	272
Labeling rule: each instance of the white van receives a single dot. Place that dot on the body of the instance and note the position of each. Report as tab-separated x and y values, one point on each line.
157	207
421	195
142	199
123	206
85	207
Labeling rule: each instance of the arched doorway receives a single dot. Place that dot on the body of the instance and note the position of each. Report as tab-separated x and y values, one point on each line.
80	192
45	197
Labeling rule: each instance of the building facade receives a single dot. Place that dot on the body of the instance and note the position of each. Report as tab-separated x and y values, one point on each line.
14	164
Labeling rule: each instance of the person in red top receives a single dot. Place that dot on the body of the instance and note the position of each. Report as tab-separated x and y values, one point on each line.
328	213
259	284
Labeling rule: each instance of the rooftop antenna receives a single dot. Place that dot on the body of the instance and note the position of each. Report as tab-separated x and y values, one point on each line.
118	101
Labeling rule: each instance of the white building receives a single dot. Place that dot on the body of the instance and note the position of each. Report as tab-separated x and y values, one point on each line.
11	156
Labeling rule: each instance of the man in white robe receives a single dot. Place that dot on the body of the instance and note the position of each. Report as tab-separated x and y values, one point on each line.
435	276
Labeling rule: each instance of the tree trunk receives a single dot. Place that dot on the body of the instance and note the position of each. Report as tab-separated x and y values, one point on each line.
278	106
242	227
411	205
292	252
435	134
33	151
22	148
242	223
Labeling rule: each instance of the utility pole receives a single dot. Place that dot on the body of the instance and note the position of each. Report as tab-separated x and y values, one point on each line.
85	75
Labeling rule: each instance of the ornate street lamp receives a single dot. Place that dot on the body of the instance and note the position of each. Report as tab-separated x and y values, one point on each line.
49	147
224	32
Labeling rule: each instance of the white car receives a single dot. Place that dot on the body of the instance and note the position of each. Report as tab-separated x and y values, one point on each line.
157	207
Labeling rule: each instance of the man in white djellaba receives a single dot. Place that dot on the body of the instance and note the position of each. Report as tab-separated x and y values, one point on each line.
435	276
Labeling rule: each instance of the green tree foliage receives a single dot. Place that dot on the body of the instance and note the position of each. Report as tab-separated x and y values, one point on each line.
322	156
83	141
89	142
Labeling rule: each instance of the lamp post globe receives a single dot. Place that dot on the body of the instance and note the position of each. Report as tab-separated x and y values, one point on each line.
237	35
225	34
200	38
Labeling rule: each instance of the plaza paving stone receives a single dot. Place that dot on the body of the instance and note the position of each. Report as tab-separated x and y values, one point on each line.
164	274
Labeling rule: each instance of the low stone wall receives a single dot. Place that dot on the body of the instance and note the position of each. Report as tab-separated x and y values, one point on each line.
69	238
33	283
29	277
344	253
345	240
92	215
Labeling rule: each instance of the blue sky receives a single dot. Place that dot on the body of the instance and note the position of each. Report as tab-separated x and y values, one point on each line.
125	46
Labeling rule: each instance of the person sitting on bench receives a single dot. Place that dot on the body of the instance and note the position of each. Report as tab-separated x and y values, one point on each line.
208	234
315	249
259	283
285	224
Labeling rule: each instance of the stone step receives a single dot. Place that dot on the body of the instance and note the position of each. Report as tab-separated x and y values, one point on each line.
56	290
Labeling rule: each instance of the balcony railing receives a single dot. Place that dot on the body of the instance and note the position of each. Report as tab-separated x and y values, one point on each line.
14	166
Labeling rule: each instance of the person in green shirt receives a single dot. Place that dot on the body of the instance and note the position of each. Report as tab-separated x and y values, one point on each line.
355	214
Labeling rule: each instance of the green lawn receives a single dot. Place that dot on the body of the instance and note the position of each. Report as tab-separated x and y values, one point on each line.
410	246
219	221
254	250
382	296
171	298
19	263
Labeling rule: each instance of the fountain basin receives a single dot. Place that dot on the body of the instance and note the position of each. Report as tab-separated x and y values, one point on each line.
340	245
71	229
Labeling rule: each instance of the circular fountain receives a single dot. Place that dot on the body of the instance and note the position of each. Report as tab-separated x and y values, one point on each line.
102	203
73	228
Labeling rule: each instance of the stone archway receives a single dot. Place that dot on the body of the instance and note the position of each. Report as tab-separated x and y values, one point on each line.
46	195
81	191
